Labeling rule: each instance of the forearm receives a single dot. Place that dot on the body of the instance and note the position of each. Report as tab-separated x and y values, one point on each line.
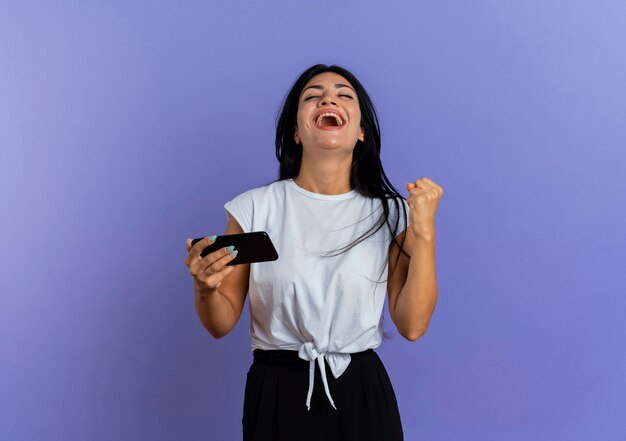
418	297
215	311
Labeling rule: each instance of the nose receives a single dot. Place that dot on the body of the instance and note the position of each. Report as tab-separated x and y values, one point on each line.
328	99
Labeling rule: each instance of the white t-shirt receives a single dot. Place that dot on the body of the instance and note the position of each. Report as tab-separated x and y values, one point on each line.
322	307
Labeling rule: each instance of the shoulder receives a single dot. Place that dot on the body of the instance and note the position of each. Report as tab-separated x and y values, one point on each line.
398	213
253	203
260	192
397	206
395	203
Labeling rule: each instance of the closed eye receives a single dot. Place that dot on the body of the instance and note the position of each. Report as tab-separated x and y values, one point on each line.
317	96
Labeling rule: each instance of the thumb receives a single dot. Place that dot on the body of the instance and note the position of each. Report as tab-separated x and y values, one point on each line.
188	244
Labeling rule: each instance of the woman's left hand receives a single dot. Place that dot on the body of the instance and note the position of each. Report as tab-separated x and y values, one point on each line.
424	196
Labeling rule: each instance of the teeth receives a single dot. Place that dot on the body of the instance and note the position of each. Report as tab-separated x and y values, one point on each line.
319	118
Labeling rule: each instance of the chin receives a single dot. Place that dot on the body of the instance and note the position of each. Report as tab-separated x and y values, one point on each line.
334	144
337	147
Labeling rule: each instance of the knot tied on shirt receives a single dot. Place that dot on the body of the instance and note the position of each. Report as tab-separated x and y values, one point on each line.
337	361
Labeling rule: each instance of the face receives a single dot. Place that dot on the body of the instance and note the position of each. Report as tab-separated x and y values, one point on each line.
326	93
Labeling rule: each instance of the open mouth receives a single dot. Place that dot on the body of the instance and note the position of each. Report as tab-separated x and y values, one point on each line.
328	120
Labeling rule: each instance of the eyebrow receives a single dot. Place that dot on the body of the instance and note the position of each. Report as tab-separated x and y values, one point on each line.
317	86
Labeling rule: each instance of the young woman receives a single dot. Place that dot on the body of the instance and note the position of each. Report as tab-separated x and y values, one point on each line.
345	237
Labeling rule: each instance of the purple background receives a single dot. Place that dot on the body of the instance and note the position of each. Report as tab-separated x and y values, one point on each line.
125	127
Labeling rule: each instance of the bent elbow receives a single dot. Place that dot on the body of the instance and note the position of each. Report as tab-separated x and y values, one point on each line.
217	336
218	333
415	335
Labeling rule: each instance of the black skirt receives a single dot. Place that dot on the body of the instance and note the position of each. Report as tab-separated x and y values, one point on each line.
275	408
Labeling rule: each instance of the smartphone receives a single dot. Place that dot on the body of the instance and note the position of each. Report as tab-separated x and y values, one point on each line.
255	246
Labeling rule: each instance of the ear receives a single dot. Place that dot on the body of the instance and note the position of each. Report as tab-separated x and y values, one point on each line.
362	135
296	138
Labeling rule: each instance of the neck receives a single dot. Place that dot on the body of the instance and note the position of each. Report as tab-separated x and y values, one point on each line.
329	175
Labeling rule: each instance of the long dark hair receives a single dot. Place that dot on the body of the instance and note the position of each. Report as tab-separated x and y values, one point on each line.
367	176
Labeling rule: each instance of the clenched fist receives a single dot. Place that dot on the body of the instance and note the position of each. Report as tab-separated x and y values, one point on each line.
423	199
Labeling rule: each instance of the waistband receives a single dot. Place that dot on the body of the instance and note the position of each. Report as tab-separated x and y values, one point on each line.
273	357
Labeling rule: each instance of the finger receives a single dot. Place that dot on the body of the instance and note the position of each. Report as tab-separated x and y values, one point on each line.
417	190
200	245
188	244
429	183
217	278
419	184
426	184
220	264
196	262
214	258
195	250
434	184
